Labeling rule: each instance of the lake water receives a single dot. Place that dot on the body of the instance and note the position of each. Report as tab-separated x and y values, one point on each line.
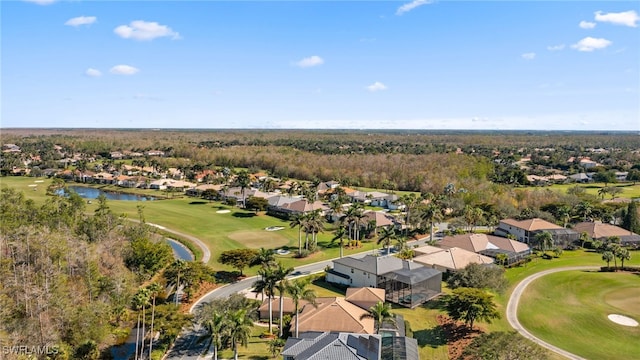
180	251
92	193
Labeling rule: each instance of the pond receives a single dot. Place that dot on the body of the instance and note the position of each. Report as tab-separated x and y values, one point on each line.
92	193
180	251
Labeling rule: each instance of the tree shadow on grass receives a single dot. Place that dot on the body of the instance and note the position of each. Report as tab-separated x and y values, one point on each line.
258	357
243	215
325	285
197	203
433	337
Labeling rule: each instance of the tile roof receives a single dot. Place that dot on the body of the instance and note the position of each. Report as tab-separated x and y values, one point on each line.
599	230
334	314
479	242
453	258
531	224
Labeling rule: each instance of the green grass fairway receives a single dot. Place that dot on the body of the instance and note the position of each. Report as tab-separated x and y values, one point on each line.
200	218
256	239
629	190
569	309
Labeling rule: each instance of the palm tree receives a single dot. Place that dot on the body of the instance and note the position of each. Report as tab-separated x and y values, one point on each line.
380	312
607	256
243	182
141	300
623	254
239	330
266	285
544	240
298	290
265	258
179	265
336	207
339	235
297	220
431	213
154	290
387	235
584	237
215	326
314	224
280	273
137	301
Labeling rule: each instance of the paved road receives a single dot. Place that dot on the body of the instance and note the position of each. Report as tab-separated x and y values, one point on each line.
512	309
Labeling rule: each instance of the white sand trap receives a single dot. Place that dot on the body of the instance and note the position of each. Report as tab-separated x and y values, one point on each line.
274	228
39	181
622	320
223	211
32	185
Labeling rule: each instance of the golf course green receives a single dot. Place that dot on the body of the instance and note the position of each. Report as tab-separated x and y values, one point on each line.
570	310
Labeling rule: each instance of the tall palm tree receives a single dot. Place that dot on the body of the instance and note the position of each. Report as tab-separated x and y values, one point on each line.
297	220
387	235
608	256
380	312
336	208
215	327
315	225
266	285
299	290
280	273
243	180
431	213
154	291
141	300
180	265
339	235
265	258
238	329
137	301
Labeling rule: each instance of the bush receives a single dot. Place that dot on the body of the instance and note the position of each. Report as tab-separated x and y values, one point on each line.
302	254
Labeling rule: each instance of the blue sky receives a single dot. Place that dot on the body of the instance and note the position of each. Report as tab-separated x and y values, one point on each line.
544	65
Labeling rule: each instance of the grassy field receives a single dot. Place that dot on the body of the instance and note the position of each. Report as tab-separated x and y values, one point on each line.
629	190
569	309
220	231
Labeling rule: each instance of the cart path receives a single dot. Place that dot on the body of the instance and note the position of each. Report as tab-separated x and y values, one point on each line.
512	309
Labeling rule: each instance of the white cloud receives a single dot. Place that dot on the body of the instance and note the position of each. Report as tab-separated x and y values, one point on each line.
589	44
555	47
412	5
529	56
81	20
587	25
626	18
93	72
143	30
124	70
41	2
310	61
377	86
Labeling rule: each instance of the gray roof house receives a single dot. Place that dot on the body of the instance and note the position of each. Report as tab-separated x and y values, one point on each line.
345	346
406	283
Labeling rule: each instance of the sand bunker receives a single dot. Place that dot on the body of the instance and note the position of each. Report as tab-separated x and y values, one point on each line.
223	211
274	228
622	320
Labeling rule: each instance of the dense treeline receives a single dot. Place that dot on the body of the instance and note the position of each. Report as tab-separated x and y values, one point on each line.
67	278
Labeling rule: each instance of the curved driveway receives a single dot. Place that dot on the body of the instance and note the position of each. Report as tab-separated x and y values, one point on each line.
512	309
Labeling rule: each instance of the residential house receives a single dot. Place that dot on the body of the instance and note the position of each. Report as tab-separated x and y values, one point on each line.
406	283
448	260
154	153
365	297
346	346
621	175
488	245
526	230
602	231
334	314
116	155
581	178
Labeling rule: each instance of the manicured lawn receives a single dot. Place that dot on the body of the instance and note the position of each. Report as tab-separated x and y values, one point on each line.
629	190
569	309
220	231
